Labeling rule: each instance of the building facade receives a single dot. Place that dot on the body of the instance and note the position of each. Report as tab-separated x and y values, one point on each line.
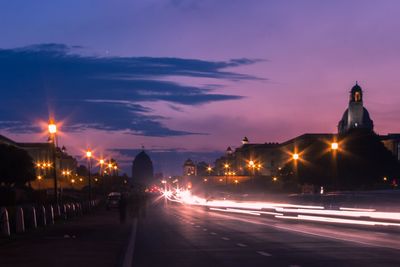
267	159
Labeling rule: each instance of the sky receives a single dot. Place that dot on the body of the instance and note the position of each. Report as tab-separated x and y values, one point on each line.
185	78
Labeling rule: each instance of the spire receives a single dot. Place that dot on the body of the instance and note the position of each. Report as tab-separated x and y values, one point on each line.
245	140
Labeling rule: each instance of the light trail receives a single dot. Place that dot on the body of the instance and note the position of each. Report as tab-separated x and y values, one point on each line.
337	220
237	211
343	215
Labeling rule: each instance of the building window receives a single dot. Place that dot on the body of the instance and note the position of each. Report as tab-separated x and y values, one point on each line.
357	97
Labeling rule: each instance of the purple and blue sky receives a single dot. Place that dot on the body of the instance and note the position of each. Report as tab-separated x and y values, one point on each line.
188	78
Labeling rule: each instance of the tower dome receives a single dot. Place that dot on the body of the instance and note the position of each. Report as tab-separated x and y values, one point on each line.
245	140
189	168
142	168
356	115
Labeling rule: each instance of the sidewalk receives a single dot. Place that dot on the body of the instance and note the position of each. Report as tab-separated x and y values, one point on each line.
96	239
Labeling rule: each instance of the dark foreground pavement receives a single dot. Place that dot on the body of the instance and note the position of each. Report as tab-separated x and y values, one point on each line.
175	235
96	239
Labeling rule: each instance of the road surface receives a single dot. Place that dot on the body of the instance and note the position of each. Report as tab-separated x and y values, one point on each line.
177	235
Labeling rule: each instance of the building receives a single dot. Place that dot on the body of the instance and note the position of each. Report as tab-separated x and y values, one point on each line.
142	169
189	168
356	115
267	159
392	143
43	155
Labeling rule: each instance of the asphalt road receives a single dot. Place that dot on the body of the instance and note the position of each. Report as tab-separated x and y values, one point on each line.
176	235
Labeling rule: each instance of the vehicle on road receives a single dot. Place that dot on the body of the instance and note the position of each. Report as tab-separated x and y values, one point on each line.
113	200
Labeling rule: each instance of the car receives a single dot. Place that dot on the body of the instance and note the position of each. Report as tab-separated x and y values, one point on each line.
113	200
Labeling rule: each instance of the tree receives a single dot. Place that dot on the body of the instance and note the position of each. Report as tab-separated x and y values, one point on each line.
361	163
16	166
365	161
82	170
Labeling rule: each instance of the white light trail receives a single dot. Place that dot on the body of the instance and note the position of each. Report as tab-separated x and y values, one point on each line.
356	216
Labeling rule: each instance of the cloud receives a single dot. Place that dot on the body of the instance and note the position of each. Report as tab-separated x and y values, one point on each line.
105	93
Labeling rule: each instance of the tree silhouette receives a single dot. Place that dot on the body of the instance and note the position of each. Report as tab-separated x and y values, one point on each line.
16	166
361	163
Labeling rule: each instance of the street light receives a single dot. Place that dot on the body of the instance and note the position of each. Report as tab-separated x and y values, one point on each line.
101	162
89	158
252	166
52	127
209	169
334	146
226	166
296	157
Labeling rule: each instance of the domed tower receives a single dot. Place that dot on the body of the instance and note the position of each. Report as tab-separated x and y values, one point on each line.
142	169
189	168
356	115
245	140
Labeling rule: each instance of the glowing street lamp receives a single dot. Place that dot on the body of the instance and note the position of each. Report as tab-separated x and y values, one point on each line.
334	146
252	166
52	128
209	169
295	156
226	166
89	159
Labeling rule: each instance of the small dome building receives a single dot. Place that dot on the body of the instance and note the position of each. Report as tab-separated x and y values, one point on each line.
142	169
189	168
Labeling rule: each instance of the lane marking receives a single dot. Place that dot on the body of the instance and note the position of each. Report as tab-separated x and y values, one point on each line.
213	233
204	229
225	238
264	253
198	226
128	257
241	245
304	232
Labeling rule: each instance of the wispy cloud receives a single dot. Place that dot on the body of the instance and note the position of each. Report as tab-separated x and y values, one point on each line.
103	92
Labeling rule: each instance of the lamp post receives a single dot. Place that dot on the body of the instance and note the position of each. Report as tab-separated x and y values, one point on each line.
89	161
209	169
252	166
334	149
295	158
226	166
39	177
52	127
101	162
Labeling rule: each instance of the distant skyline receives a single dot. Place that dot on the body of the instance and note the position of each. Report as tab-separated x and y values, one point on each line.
190	78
